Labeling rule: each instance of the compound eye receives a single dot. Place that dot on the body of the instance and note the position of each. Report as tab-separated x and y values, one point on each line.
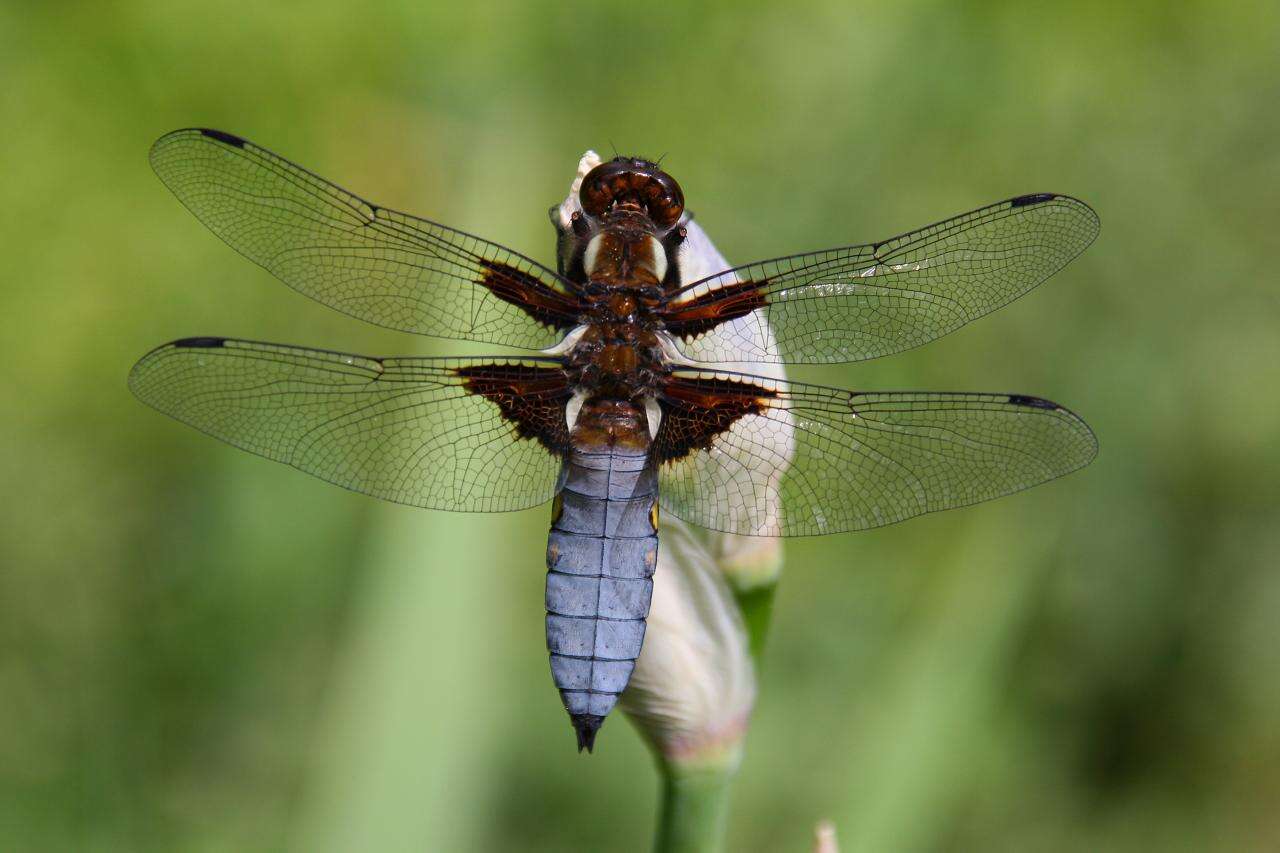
635	181
596	194
667	203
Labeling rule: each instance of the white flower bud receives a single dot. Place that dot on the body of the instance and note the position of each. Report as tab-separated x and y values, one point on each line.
571	204
694	685
750	562
824	838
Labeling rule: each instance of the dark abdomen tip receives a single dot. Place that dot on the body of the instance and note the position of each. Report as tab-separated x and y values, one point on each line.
586	725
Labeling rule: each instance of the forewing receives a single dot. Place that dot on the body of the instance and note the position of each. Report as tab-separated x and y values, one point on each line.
862	302
754	456
362	259
461	434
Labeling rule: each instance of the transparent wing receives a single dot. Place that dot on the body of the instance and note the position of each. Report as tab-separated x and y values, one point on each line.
376	264
862	302
754	456
444	433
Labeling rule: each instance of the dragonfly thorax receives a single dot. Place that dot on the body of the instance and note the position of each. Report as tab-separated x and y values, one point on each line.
625	254
617	360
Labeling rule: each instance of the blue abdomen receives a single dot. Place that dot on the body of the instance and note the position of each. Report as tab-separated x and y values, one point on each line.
601	554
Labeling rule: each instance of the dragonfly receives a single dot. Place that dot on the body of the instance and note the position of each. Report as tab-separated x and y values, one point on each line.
625	400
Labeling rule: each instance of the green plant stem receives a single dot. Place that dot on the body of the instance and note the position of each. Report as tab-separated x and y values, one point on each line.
694	813
756	605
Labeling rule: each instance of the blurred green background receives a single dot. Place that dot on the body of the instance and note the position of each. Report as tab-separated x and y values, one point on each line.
201	650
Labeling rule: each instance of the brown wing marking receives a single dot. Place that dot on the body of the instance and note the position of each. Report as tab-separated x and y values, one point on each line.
708	310
528	292
696	410
531	398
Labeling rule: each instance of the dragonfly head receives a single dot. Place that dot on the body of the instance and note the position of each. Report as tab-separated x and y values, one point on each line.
632	184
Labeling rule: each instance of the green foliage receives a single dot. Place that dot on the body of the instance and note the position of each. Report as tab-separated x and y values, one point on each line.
200	650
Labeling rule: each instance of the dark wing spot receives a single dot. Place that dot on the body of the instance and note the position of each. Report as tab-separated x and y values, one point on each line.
1033	198
702	314
531	398
200	343
1032	402
544	304
223	137
696	410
